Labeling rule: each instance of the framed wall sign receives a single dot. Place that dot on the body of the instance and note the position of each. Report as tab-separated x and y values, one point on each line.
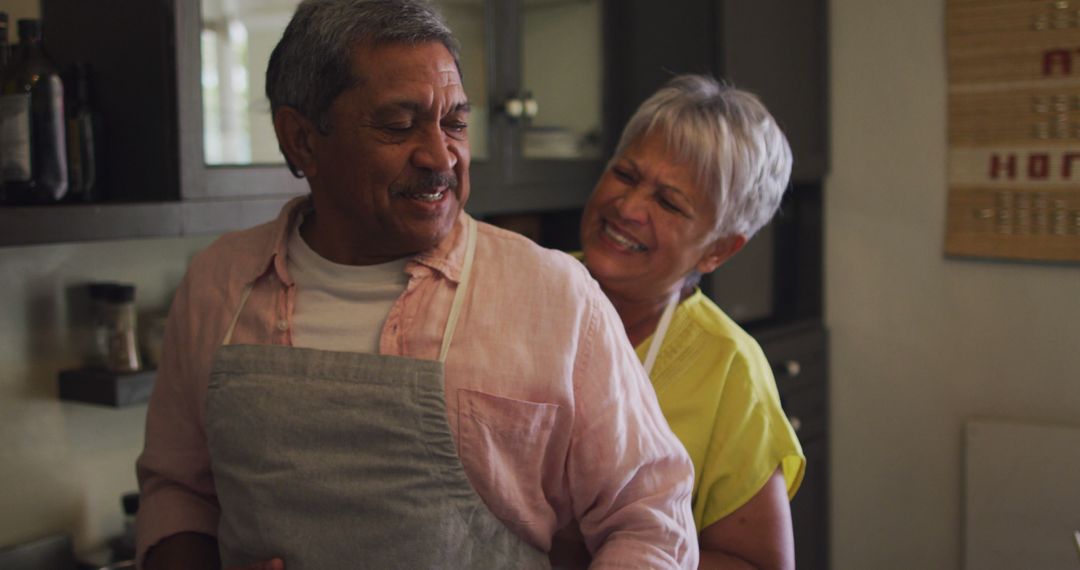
1014	129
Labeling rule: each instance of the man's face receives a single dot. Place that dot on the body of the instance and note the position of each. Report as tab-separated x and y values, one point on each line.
392	174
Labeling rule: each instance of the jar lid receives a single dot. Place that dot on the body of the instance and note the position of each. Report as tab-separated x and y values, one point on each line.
100	290
120	293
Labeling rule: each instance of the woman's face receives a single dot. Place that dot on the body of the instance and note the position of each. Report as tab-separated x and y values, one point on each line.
648	223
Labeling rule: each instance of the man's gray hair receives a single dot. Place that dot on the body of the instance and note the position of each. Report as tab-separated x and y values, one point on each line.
312	63
741	157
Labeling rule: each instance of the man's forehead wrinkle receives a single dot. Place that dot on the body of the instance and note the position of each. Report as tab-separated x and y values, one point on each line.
416	106
449	76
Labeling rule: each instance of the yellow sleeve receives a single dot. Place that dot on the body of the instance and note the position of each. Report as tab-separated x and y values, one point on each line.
750	438
717	392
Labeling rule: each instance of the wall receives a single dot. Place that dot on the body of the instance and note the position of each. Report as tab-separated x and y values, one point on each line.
17	9
919	342
66	465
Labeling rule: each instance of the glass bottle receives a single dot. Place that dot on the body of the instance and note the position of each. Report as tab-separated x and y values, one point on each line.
83	136
5	57
5	51
32	139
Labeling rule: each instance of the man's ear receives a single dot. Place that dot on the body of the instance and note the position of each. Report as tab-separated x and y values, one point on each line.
296	137
720	251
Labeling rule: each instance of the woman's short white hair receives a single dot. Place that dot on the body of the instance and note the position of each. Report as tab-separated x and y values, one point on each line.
741	156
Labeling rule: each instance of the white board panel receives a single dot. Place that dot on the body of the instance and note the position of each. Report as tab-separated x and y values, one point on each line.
1022	496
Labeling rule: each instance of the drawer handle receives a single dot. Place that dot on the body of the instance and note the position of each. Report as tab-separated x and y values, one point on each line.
796	423
793	368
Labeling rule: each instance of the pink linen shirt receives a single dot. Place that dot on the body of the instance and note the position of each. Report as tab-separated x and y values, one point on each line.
552	414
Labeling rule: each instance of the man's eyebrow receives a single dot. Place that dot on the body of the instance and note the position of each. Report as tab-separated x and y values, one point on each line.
417	108
411	106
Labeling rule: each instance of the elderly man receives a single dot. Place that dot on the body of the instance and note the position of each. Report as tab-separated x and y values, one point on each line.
377	380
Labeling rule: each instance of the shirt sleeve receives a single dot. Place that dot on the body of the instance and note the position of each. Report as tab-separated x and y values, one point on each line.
630	479
750	438
175	482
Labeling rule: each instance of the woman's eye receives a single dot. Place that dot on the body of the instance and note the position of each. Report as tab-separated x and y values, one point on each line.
669	205
622	175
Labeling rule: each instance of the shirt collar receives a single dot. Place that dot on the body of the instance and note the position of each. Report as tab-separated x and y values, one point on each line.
446	258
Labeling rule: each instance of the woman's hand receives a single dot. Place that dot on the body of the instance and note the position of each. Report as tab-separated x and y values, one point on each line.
757	535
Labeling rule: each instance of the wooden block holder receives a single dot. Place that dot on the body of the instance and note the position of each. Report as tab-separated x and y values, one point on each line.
105	388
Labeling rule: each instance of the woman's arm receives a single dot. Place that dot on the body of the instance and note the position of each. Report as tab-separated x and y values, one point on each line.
756	535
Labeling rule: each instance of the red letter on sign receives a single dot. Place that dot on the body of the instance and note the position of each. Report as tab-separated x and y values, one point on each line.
1054	57
1039	166
1066	165
1010	166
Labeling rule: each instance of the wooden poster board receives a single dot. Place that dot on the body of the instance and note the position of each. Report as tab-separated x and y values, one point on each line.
1014	129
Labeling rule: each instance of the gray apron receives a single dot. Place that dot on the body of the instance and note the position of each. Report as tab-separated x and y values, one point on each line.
345	460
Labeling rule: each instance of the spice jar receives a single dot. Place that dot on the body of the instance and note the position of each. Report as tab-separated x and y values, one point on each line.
152	329
97	355
118	312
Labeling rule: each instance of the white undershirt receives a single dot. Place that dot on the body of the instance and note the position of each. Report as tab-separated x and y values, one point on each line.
340	307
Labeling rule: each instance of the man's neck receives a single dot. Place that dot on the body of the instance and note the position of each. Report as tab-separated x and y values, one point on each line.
340	251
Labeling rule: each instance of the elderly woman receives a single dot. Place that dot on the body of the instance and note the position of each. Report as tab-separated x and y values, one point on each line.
699	169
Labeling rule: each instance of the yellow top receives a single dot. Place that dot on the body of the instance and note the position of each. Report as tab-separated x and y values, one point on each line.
717	391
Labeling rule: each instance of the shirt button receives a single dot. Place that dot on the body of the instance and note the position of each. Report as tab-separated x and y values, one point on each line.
283	325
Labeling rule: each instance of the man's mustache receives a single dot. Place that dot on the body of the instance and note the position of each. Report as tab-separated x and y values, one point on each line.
425	184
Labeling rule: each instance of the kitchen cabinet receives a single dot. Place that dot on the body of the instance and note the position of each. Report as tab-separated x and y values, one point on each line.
536	127
142	88
798	355
534	72
168	72
774	48
552	83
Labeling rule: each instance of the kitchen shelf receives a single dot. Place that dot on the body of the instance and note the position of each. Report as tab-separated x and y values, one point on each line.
84	222
67	223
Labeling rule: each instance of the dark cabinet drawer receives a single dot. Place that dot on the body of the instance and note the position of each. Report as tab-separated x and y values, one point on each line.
806	411
797	355
810	509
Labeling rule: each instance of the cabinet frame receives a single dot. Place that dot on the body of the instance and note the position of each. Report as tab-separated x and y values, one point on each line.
509	182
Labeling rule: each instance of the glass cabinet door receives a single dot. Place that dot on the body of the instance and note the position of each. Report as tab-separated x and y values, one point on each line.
467	20
532	70
236	40
562	79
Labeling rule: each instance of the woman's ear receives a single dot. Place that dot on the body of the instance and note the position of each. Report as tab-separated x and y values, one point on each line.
296	137
720	251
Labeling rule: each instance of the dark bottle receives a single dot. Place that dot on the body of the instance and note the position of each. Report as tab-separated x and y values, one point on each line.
83	137
33	148
5	51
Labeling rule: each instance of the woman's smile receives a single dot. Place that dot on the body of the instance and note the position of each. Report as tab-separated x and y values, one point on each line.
621	239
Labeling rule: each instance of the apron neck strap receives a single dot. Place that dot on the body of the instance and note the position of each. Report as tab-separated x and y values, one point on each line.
236	315
661	332
455	309
462	288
